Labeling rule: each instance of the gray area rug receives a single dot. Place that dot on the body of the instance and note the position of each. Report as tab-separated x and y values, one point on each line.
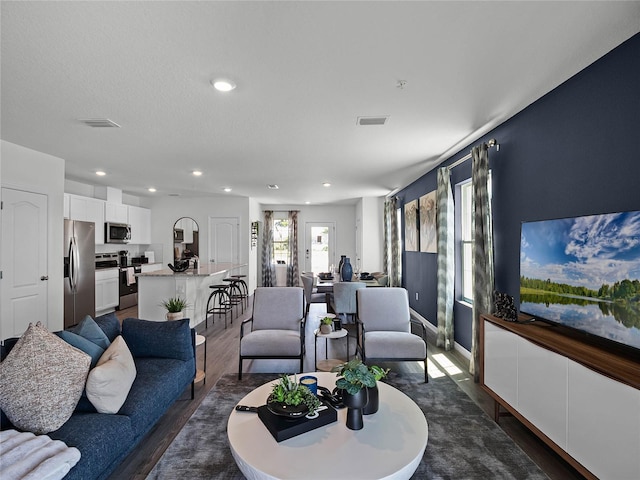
464	443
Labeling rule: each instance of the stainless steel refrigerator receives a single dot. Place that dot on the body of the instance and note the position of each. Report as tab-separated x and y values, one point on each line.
79	271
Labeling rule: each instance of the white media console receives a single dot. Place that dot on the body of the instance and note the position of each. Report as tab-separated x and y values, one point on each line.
583	401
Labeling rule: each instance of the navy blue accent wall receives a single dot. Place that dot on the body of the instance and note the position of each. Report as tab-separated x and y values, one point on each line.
575	151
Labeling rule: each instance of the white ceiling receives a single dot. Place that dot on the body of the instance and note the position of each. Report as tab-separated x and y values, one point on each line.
304	71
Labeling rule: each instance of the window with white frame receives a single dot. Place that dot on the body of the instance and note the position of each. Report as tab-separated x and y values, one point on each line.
466	239
280	240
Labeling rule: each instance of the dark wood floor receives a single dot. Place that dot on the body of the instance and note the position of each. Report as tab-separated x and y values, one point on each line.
222	358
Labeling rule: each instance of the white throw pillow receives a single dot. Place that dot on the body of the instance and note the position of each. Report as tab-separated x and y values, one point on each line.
109	382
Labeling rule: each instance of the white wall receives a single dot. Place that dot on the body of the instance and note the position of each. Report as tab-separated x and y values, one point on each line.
369	217
29	170
166	210
344	217
254	275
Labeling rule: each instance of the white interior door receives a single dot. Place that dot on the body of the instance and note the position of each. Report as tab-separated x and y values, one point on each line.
24	261
223	240
320	246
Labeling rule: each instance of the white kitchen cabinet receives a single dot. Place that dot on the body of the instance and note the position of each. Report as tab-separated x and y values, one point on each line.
88	209
116	212
140	221
107	290
187	226
65	206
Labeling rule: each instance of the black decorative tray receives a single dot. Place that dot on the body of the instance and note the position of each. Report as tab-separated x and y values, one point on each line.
283	428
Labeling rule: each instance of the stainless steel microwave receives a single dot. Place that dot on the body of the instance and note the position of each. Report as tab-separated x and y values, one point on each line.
117	233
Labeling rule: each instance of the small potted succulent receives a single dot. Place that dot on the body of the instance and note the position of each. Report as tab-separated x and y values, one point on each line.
356	382
326	325
290	399
175	308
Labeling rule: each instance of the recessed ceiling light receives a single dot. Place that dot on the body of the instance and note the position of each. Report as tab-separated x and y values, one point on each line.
196	173
223	84
273	186
227	189
307	203
326	184
151	189
101	173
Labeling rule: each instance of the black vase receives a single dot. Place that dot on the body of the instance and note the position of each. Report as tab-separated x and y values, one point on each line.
374	401
346	272
355	403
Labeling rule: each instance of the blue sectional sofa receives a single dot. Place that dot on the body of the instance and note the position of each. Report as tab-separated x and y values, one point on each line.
164	356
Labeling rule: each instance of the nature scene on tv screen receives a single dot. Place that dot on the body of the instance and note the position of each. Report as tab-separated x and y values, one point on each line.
584	272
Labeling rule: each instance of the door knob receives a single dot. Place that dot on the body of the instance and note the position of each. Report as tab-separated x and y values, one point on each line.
44	277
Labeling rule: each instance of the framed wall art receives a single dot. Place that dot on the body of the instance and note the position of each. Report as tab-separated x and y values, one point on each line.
428	226
411	226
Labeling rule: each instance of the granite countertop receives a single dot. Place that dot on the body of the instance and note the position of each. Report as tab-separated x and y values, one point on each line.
203	270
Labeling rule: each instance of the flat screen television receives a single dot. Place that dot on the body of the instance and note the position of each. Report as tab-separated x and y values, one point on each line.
583	273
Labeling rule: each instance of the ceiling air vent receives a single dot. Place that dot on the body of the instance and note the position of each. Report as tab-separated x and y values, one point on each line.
99	123
366	121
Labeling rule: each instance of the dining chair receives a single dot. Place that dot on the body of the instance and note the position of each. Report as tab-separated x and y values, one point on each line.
384	328
343	299
276	326
309	295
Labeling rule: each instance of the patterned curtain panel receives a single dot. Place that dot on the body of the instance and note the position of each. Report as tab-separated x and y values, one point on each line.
446	259
391	242
483	274
268	271
293	269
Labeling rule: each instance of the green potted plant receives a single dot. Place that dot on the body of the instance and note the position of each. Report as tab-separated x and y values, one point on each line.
290	399
175	307
326	325
374	401
356	381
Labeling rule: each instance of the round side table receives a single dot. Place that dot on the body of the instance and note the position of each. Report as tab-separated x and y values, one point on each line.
201	375
328	363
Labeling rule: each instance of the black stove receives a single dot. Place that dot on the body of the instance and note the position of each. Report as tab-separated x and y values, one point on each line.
106	260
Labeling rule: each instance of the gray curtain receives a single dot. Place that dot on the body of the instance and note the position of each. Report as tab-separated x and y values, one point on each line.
293	269
268	273
483	274
446	259
391	241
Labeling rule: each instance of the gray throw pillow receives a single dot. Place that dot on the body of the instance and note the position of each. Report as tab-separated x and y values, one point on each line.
41	381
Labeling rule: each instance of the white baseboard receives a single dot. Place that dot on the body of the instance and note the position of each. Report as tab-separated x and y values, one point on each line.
456	346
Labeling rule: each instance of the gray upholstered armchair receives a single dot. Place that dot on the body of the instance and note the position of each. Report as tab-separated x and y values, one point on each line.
343	300
277	326
384	328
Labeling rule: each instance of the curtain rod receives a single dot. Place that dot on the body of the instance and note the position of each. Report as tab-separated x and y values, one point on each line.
491	143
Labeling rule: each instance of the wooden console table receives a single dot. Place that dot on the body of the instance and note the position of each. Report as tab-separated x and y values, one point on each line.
582	400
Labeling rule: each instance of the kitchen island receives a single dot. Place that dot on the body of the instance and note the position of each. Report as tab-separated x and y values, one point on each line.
192	285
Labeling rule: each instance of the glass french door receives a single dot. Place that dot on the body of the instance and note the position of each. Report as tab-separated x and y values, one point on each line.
320	245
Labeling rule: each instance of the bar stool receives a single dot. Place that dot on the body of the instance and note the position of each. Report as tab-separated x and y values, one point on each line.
218	303
243	286
235	292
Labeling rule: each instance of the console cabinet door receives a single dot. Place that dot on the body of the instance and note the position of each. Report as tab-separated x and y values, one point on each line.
501	362
603	424
542	390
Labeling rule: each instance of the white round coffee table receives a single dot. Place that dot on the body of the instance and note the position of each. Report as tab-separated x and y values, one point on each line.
390	446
